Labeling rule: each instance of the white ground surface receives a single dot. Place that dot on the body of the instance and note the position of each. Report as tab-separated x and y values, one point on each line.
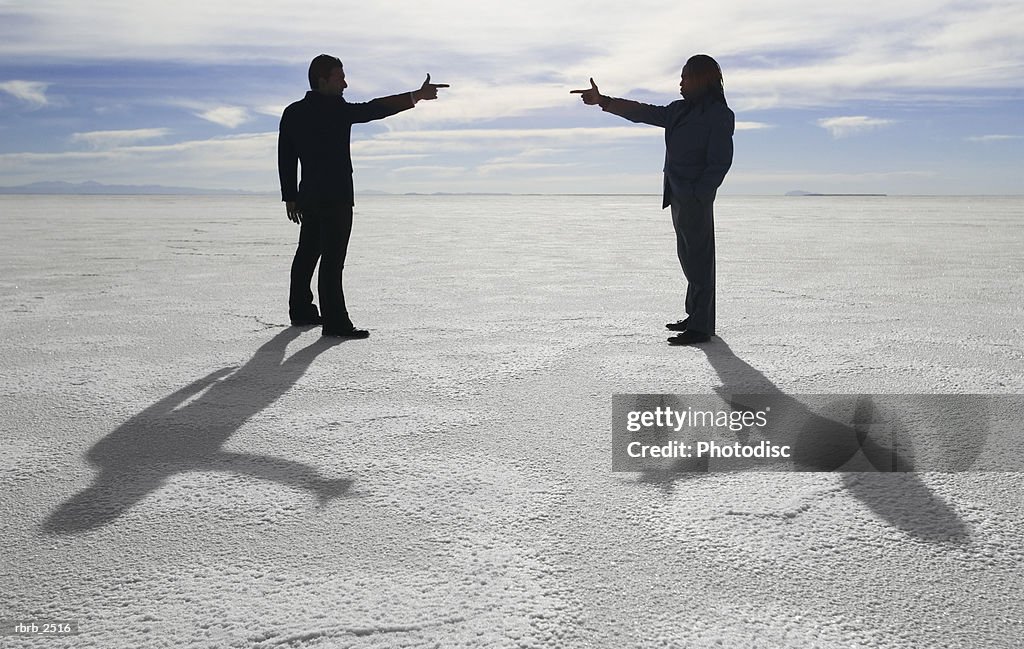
180	469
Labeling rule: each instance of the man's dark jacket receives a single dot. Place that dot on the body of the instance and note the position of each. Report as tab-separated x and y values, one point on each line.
316	131
698	143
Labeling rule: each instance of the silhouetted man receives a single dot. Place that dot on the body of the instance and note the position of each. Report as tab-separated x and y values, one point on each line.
316	131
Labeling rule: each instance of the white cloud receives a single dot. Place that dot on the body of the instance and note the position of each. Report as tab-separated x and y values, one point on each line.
244	161
370	157
852	124
994	138
752	126
471	100
32	93
797	176
229	116
273	110
432	171
492	167
108	139
248	161
786	53
515	136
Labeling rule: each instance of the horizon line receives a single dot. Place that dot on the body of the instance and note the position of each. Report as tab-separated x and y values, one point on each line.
6	191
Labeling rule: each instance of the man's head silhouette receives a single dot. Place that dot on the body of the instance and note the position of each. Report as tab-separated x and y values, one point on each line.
327	75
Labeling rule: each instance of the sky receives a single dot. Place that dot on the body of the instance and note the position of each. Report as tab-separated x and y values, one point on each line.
908	97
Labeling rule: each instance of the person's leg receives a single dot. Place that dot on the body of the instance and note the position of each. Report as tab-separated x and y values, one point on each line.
335	230
300	296
679	218
695	247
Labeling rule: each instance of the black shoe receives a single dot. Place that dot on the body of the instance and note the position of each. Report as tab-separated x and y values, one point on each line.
309	321
689	337
679	325
351	332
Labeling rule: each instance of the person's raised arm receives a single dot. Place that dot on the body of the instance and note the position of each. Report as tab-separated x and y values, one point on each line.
386	106
634	111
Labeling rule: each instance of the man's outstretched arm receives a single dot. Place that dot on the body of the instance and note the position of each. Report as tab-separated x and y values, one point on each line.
386	106
634	111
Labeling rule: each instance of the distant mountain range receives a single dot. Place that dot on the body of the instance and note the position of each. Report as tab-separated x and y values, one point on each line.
92	187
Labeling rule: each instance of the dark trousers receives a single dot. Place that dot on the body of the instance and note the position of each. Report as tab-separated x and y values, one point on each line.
323	236
694	222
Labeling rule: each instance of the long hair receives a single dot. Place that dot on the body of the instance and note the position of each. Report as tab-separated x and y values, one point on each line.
320	68
706	76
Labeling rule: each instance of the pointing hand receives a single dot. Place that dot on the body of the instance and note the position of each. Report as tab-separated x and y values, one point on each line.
429	90
591	95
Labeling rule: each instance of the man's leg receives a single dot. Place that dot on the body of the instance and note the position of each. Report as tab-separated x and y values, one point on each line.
335	230
300	297
695	245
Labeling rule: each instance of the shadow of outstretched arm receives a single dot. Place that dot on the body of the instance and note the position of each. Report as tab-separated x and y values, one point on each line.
284	472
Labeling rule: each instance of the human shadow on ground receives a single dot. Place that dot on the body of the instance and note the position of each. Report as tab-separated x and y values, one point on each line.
186	431
883	480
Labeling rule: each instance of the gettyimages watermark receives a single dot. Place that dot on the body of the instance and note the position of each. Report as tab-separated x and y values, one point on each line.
817	432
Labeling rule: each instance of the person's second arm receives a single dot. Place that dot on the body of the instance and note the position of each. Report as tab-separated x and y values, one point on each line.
719	154
287	168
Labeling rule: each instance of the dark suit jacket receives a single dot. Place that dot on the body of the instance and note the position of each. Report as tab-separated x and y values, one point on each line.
316	130
698	143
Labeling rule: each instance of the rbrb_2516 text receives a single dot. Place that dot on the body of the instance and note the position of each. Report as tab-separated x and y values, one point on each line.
30	628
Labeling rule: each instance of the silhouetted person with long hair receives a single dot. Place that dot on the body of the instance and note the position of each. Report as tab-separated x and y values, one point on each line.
316	131
698	153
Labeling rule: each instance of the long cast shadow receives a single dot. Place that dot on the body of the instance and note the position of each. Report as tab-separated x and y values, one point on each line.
900	498
178	435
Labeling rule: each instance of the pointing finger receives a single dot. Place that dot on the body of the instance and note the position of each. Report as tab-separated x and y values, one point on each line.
440	85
